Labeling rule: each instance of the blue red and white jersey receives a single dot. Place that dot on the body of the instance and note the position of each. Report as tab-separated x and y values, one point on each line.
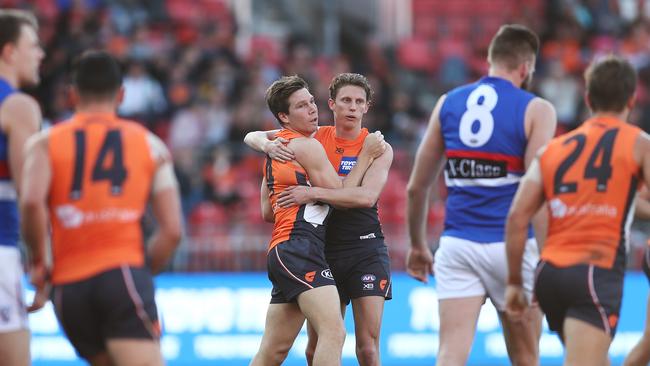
8	205
482	125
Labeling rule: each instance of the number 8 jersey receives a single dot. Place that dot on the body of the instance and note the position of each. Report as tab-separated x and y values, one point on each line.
590	180
102	171
482	125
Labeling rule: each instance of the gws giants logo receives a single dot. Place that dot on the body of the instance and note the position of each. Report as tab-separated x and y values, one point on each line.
382	284
309	276
327	274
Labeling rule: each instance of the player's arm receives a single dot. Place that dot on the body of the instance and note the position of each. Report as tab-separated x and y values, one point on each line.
642	206
311	155
365	195
642	156
540	124
266	142
21	118
429	161
267	210
165	202
35	184
528	200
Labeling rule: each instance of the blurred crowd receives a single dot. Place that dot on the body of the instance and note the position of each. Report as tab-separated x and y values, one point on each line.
191	79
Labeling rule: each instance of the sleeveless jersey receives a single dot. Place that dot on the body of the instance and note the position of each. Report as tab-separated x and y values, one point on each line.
102	172
590	181
305	221
351	226
8	206
482	125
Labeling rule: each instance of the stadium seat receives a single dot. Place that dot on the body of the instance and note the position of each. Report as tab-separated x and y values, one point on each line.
415	54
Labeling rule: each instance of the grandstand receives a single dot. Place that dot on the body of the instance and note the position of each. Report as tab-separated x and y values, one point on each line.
196	72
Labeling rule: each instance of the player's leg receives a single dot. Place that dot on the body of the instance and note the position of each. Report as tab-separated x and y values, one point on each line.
101	359
299	273
14	348
591	321
640	354
125	300
339	273
312	338
14	335
134	352
461	295
369	285
521	335
283	322
321	307
457	327
74	311
368	311
585	343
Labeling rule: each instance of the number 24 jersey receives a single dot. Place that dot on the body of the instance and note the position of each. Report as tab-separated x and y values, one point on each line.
590	180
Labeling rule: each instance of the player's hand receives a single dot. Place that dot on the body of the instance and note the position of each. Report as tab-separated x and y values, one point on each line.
278	150
419	263
39	278
516	302
374	145
294	196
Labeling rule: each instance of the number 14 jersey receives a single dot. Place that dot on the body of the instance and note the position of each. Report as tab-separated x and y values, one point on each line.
590	181
102	172
482	125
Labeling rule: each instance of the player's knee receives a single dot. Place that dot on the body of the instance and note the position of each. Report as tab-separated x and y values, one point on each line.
275	354
337	336
367	354
334	332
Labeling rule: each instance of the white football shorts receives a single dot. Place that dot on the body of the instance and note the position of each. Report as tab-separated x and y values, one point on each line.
13	315
464	268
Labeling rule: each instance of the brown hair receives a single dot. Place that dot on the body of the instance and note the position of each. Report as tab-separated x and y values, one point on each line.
513	45
11	22
611	83
277	95
348	78
97	75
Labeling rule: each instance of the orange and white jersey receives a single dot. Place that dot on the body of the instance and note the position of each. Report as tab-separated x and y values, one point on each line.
102	172
590	180
355	224
341	153
306	220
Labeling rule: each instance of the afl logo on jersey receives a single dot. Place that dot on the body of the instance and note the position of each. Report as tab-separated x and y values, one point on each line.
347	163
339	150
